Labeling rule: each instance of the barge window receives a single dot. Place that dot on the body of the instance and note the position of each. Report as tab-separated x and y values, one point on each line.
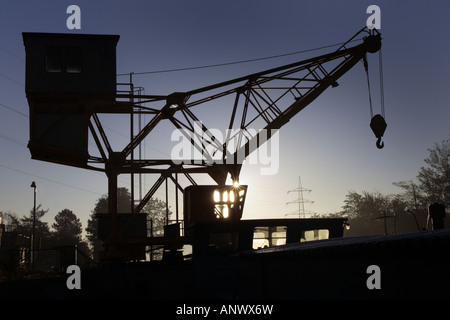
311	235
223	241
264	237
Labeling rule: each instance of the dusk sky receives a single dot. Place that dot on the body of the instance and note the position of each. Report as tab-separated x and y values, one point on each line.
329	144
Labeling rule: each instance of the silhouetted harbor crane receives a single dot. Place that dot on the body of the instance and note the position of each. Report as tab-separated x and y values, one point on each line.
71	81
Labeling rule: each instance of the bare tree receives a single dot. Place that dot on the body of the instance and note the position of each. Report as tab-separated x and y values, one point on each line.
435	178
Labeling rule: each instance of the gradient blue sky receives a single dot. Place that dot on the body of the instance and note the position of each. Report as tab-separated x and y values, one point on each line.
329	144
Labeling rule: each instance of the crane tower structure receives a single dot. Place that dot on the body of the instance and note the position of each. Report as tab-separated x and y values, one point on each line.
71	81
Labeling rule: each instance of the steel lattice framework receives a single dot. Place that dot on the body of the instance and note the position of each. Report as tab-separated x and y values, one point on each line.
265	100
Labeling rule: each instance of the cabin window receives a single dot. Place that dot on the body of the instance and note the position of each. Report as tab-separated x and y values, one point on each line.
311	235
264	237
53	59
73	60
58	60
226	201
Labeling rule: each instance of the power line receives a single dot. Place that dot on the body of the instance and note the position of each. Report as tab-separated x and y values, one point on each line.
5	76
14	110
47	179
12	54
235	62
11	139
125	136
12	80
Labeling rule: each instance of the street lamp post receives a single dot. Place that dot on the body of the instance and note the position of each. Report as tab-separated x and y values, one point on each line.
33	242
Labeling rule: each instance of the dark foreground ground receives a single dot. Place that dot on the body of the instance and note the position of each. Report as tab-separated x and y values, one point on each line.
407	266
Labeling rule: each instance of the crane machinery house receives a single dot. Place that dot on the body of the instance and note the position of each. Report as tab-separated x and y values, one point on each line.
67	77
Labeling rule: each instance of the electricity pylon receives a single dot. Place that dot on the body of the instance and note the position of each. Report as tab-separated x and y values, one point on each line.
300	200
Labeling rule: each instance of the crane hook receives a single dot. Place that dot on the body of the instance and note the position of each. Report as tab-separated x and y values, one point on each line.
378	126
380	144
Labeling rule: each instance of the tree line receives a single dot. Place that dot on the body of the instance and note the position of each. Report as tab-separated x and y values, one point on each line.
368	212
407	211
67	229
